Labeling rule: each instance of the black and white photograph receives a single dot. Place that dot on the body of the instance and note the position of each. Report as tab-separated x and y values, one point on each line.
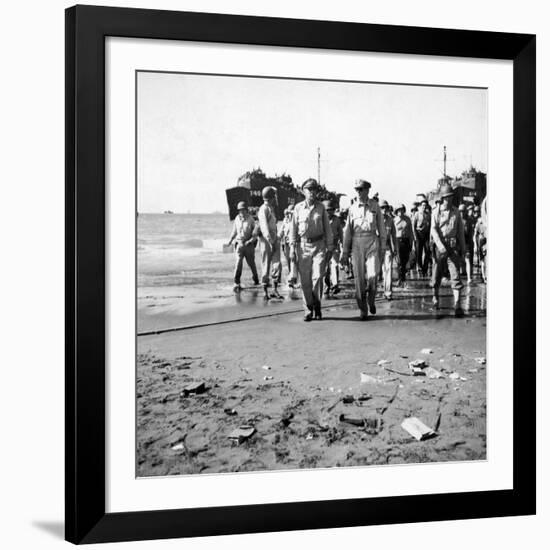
311	273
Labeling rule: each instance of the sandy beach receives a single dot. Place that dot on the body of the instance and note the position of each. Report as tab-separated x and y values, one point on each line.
264	367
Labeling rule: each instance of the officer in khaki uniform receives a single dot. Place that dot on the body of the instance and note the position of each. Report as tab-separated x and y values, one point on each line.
310	240
270	246
245	241
332	276
391	250
448	236
365	241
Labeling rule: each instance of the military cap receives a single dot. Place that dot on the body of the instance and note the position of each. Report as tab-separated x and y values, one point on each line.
462	207
310	183
241	205
401	207
362	184
446	191
384	204
268	192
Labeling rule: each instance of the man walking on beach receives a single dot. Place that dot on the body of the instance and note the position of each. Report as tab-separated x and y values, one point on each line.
448	237
284	236
421	229
243	235
310	239
270	246
332	276
390	252
404	237
365	241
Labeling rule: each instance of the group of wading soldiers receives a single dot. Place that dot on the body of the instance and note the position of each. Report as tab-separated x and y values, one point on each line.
315	243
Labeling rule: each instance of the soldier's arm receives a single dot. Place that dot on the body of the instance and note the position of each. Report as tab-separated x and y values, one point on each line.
460	235
293	229
393	238
348	234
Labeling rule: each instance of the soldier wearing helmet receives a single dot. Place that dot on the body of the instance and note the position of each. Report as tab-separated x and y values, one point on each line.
245	242
365	241
310	238
332	275
448	236
390	252
270	246
284	237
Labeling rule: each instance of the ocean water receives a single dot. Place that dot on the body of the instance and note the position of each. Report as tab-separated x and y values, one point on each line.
183	250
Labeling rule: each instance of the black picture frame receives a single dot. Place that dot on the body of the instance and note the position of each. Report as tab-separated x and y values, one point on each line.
85	516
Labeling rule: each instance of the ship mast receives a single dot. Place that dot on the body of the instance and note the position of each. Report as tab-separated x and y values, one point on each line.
445	163
319	165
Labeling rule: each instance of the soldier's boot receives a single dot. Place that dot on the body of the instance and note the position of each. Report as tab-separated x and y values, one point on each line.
266	294
435	299
308	316
372	306
459	312
275	293
317	308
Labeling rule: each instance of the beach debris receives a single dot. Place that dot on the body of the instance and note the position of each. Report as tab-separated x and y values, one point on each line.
266	367
230	412
417	428
454	376
310	436
397	371
382	410
463	378
331	389
178	447
404	356
426	351
364	397
268	377
372	425
481	360
457	355
383	362
417	367
347	399
432	373
368	379
472	370
193	387
242	433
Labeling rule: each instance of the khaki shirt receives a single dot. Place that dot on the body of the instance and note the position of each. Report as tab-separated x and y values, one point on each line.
243	229
403	227
310	222
364	220
446	226
267	220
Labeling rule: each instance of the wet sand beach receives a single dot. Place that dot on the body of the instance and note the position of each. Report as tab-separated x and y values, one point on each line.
292	381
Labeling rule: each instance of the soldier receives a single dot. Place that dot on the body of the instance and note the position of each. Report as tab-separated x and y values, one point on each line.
404	238
245	241
448	236
365	240
391	248
332	276
270	246
284	235
421	232
469	228
310	239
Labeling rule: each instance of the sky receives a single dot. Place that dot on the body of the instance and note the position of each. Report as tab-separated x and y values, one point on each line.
196	134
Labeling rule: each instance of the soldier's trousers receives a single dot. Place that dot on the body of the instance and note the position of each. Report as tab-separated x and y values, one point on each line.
332	275
404	250
291	264
244	252
311	265
387	266
449	258
366	264
271	261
